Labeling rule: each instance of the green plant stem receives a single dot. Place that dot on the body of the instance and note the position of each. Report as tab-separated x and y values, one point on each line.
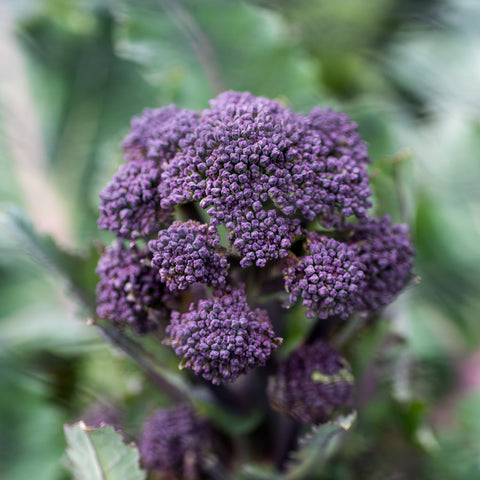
162	378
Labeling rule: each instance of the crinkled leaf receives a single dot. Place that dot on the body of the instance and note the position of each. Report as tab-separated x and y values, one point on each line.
100	454
317	446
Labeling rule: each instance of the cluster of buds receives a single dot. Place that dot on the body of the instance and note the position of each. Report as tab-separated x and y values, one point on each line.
222	338
208	202
188	253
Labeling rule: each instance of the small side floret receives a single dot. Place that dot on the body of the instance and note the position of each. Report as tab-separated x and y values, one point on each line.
174	441
328	279
221	338
312	384
190	252
130	291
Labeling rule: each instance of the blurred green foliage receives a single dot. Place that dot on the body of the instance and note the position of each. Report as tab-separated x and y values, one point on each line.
408	72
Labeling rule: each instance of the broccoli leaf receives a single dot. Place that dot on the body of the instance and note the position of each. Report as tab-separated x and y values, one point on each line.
317	446
100	454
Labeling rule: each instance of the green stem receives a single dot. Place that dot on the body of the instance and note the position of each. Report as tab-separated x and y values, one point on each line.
160	375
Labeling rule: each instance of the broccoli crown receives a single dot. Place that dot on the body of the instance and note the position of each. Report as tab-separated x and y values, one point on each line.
221	338
246	191
189	252
130	291
328	278
173	442
312	383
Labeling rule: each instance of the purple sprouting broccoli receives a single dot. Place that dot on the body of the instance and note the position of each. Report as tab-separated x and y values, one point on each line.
187	253
222	337
312	383
330	180
174	442
261	170
363	273
130	291
288	194
156	134
130	204
328	278
340	135
226	166
387	253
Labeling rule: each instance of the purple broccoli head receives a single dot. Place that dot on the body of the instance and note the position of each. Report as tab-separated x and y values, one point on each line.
130	291
174	441
222	338
313	383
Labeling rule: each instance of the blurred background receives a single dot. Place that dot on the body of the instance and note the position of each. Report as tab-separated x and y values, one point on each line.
74	72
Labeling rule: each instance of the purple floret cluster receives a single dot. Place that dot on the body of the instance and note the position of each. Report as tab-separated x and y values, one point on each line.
130	206
242	197
360	274
174	441
187	253
222	338
312	383
261	170
387	253
130	291
156	134
328	278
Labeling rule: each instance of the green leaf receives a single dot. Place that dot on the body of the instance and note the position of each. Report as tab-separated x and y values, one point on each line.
317	446
192	48
100	454
76	270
